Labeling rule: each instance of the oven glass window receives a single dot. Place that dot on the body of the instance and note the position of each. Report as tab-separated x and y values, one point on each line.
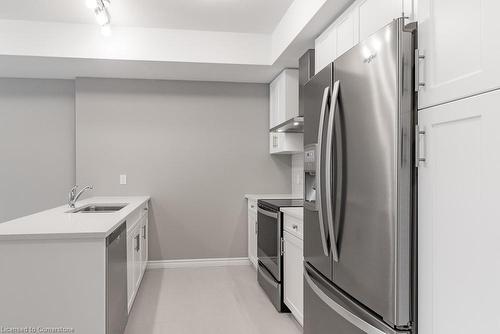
269	238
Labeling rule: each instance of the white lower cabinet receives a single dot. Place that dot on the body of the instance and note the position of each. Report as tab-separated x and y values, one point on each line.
293	267
136	258
252	232
144	243
137	253
459	217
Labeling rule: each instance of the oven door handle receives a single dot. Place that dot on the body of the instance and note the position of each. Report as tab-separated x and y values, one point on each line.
271	214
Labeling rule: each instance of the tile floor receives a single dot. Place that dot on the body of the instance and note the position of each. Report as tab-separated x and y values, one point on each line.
213	300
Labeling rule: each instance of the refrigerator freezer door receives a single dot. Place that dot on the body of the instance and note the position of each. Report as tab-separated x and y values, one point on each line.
316	229
328	310
373	220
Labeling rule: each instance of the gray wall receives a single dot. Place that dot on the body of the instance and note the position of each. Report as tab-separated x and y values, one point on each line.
37	156
195	147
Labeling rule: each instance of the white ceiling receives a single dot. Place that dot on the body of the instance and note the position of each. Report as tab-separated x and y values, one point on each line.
248	16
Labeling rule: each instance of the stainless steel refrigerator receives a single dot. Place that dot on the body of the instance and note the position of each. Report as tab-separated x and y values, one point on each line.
359	224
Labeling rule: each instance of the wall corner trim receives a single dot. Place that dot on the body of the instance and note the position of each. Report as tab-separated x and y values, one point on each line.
198	263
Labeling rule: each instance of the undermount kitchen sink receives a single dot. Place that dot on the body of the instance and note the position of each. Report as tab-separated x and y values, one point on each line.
99	208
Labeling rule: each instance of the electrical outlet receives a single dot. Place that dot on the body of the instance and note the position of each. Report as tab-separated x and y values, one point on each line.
123	179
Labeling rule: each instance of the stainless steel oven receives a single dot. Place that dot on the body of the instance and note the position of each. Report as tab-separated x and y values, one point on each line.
269	239
270	248
269	253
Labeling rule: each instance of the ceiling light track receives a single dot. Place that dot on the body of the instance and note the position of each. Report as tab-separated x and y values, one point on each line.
101	12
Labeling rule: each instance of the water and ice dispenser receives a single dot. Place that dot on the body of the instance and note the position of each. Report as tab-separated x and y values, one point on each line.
310	171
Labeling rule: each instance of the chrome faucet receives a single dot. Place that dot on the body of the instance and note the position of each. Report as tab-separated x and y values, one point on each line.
73	196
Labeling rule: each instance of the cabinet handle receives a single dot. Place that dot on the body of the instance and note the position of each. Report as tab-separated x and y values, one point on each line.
295	227
418	158
419	56
256	227
137	243
144	232
252	206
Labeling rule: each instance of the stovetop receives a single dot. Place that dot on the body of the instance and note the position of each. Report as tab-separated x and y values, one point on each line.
276	204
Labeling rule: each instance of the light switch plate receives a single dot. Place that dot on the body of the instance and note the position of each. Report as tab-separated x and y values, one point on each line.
123	179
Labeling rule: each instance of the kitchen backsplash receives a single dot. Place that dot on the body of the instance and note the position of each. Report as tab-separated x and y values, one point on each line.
298	174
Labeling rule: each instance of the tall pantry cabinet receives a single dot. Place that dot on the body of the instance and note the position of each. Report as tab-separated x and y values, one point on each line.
459	175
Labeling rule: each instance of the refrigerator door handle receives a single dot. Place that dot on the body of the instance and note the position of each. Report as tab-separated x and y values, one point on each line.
319	188
354	320
328	169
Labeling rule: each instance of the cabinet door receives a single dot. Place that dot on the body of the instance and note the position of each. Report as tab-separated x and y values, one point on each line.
458	228
273	103
137	256
290	95
376	14
277	100
294	276
347	32
144	243
252	238
325	48
130	268
284	97
461	46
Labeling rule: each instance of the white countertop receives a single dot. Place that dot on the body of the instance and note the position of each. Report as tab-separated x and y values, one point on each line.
58	224
271	196
294	212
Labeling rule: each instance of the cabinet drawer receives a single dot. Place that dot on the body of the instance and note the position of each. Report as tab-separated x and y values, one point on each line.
293	225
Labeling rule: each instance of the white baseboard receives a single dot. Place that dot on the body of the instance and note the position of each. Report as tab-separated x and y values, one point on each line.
198	263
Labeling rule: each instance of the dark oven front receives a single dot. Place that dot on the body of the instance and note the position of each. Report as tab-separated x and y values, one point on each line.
269	239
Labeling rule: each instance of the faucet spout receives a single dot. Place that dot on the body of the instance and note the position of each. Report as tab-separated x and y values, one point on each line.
73	196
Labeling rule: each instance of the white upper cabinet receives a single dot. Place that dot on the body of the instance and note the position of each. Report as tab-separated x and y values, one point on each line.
460	42
284	105
325	48
274	108
284	97
359	21
342	35
458	228
347	32
375	14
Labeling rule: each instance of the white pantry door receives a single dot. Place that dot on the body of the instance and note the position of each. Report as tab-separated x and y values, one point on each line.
461	44
459	217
